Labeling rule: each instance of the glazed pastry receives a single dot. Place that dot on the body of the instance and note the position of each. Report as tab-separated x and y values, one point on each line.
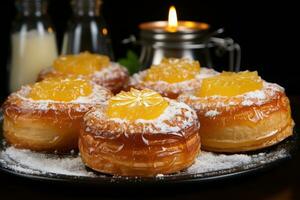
172	77
240	112
46	116
140	133
94	67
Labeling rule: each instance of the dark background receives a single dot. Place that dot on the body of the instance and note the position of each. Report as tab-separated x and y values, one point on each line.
267	35
264	31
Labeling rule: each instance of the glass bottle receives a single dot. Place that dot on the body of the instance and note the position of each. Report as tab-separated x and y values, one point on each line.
87	30
33	43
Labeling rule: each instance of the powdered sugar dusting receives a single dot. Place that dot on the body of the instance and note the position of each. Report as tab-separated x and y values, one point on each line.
112	77
209	162
137	80
258	94
99	95
40	163
211	113
113	71
257	97
174	109
176	117
28	162
247	103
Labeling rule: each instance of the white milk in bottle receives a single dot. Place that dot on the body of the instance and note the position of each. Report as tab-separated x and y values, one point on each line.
33	43
32	51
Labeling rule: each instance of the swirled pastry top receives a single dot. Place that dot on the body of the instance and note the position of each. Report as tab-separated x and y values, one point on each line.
173	118
136	104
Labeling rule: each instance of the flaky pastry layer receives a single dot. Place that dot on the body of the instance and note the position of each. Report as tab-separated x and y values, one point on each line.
47	125
246	122
140	148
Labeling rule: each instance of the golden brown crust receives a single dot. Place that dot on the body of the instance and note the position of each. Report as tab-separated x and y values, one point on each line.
113	77
42	134
138	149
238	127
45	126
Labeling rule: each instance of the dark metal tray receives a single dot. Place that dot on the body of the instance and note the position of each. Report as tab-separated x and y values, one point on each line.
260	160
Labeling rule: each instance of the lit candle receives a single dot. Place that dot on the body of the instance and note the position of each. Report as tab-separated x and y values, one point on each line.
182	39
173	25
172	19
173	38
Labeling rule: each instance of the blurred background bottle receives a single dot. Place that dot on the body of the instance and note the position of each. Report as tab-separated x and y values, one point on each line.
33	43
87	30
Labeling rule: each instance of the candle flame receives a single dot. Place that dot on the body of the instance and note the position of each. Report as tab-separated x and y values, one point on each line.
104	31
172	20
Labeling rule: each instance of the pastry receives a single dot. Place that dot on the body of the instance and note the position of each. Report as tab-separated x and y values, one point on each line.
240	112
46	116
172	77
140	133
94	67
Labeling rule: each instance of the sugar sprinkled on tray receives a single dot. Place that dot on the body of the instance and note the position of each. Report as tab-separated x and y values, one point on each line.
40	163
26	161
208	162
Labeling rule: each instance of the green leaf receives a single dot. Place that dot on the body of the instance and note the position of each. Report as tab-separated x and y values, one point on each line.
131	62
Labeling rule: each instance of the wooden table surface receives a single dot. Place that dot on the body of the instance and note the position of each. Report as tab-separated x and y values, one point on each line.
280	183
